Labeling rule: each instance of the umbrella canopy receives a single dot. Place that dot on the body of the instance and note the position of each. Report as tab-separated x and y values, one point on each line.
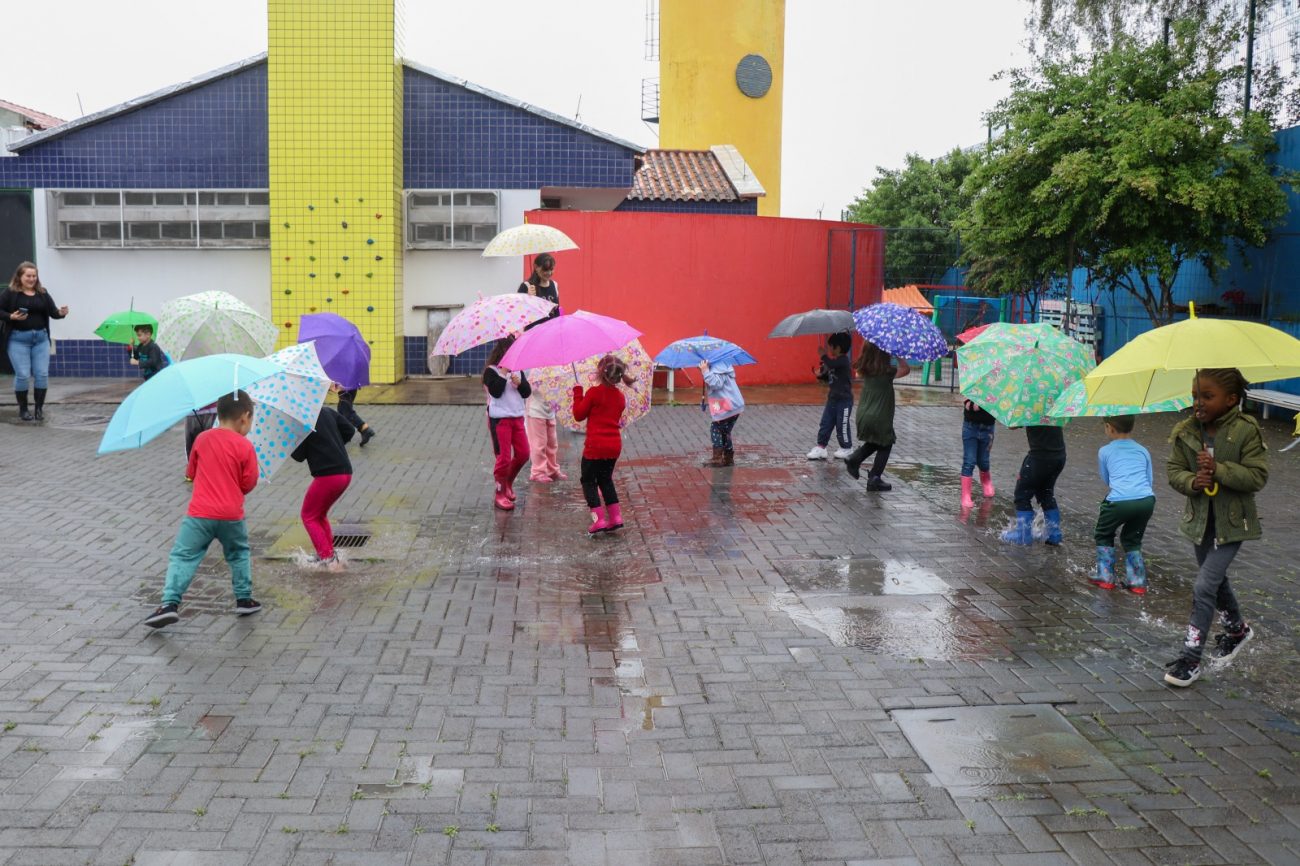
690	351
288	404
120	327
528	239
1073	403
970	334
343	352
489	319
178	390
1161	364
1016	372
554	385
901	331
212	323
568	339
814	322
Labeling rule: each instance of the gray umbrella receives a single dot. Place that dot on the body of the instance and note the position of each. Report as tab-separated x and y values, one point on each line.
814	322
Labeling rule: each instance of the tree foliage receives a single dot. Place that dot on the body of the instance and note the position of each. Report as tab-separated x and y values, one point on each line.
1129	163
1059	26
918	205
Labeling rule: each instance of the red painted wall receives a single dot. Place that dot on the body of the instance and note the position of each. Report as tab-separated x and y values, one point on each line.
675	275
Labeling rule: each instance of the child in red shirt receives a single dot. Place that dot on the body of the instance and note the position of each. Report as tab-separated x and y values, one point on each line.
223	467
602	408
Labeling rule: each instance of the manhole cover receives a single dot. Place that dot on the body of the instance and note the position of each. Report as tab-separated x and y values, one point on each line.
971	749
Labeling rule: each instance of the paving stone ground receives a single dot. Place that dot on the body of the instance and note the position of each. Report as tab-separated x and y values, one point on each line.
727	680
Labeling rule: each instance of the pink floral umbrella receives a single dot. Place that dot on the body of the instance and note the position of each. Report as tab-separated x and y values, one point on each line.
554	385
489	319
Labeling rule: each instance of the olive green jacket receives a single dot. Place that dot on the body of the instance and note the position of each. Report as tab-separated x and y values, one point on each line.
1240	469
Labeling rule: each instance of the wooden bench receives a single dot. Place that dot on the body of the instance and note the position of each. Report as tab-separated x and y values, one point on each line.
1280	399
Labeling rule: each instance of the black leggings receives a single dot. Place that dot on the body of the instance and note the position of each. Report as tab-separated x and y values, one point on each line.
598	480
349	414
720	432
1037	480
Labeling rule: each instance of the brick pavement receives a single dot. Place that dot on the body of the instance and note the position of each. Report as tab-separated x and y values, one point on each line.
725	681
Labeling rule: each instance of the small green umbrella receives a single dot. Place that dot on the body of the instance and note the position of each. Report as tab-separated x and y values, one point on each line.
1073	403
1016	372
120	327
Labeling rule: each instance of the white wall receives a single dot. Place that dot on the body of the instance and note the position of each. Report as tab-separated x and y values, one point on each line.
95	283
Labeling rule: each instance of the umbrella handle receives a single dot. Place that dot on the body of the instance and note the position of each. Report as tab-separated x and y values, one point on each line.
574	368
1212	491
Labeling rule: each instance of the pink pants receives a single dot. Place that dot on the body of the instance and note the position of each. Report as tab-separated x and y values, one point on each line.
510	443
321	496
544	447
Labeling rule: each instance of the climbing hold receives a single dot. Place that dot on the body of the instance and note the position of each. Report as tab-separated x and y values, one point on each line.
286	258
288	324
369	274
370	240
288	291
336	199
337	275
360	200
344	224
345	258
370	309
311	207
329	300
345	291
311	258
311	309
379	258
379	216
312	275
310	241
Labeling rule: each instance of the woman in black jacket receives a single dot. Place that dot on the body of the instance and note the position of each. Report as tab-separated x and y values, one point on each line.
26	309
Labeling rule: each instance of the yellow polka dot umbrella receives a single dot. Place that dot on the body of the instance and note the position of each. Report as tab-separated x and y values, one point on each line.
529	239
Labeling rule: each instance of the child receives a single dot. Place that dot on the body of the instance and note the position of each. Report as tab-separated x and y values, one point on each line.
977	429
506	392
724	404
223	467
1218	462
1126	467
542	444
875	414
1037	479
331	473
836	371
602	408
147	353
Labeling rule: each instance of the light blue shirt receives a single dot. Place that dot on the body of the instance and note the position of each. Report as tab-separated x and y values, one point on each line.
1126	467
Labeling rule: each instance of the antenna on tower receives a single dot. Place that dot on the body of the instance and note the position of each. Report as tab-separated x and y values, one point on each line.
577	112
81	110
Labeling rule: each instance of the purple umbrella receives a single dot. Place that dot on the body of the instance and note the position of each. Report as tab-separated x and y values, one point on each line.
901	331
343	352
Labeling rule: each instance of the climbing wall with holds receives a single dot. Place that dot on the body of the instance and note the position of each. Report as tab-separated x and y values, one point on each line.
334	102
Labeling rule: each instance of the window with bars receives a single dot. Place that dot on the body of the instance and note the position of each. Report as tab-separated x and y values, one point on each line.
451	219
134	219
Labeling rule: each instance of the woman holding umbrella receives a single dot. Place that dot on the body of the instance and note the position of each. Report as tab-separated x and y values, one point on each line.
540	284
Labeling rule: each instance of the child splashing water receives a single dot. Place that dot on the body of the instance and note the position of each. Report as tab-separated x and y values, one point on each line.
602	408
1125	466
326	454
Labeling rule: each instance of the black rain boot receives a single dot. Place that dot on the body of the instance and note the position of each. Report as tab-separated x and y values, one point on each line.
716	460
875	484
21	397
40	403
728	456
853	463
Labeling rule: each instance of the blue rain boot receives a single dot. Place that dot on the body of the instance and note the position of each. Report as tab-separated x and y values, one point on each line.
1135	572
1023	531
1052	526
1105	576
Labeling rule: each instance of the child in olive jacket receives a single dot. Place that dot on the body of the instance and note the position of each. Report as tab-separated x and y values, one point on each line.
1218	462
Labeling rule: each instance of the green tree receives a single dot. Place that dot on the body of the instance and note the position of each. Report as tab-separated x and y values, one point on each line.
918	206
1129	163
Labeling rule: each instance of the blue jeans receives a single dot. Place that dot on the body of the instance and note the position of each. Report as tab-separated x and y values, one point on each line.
192	541
836	417
29	352
976	443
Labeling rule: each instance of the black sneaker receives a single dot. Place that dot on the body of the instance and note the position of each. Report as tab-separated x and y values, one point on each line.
247	606
1182	672
875	482
366	435
164	615
1226	644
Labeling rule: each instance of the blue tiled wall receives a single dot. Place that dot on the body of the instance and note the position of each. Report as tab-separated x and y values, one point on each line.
91	358
749	207
467	363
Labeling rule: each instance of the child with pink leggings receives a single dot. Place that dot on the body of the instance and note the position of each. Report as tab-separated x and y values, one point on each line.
543	446
506	392
331	473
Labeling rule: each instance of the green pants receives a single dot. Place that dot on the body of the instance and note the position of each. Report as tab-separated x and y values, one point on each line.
1128	517
192	541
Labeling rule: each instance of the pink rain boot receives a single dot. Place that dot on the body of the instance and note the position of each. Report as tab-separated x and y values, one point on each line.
615	517
599	523
986	478
501	500
966	501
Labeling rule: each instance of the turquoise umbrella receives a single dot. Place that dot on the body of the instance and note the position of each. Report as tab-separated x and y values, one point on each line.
1073	403
1016	372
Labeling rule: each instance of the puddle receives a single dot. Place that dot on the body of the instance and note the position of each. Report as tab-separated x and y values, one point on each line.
416	777
60	420
861	576
925	474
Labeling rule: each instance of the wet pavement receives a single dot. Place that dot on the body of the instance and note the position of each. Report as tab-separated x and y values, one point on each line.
767	665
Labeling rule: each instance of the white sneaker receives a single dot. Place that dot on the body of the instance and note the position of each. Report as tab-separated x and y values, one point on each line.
818	453
843	453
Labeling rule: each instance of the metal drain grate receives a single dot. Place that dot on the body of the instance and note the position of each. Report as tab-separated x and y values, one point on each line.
351	541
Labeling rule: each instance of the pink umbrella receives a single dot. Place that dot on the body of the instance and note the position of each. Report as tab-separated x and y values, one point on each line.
568	339
971	333
489	319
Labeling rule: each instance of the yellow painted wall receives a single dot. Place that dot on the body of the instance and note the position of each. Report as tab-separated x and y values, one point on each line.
334	95
700	105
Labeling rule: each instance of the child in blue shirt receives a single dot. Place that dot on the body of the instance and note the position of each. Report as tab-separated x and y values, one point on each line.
1126	467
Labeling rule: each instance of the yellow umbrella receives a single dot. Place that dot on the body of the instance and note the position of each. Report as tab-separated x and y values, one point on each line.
528	239
1160	364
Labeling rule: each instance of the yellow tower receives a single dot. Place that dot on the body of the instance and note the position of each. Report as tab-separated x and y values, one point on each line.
720	82
334	104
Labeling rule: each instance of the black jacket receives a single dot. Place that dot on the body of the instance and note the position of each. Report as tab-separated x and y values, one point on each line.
323	449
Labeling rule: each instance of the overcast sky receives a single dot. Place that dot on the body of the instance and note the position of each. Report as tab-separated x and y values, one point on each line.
866	80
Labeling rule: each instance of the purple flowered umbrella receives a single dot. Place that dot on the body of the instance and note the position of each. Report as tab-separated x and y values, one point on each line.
343	352
901	331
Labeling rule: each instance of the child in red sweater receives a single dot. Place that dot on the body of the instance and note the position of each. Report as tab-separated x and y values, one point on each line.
602	408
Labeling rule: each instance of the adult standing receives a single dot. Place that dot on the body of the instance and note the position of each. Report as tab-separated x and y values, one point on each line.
540	284
539	422
26	307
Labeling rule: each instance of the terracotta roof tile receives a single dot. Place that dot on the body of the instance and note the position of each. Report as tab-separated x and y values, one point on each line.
38	120
681	175
908	296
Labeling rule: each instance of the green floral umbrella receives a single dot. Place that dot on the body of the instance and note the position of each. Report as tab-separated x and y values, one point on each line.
120	327
1073	403
1016	372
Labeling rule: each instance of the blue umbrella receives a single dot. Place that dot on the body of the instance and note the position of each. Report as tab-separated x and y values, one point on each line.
689	352
901	331
177	391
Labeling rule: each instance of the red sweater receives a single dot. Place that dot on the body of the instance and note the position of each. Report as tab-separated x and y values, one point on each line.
223	465
602	408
